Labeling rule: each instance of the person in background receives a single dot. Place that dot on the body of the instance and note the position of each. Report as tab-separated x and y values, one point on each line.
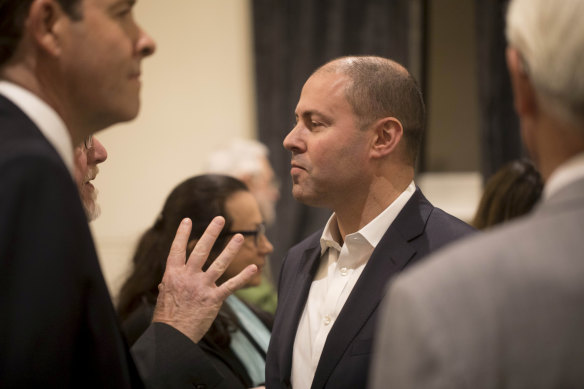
238	338
353	150
247	160
504	309
70	68
87	156
509	193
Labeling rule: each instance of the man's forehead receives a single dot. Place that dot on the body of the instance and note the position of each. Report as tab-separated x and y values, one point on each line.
323	89
108	3
332	81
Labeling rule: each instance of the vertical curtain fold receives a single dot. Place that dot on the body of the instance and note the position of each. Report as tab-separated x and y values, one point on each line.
499	124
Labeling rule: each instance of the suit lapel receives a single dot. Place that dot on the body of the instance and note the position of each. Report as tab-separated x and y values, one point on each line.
390	256
297	293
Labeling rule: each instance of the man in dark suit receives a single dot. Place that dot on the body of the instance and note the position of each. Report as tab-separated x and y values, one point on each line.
505	309
69	68
359	125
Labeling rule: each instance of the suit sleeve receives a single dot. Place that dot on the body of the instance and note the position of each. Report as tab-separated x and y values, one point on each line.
168	359
409	350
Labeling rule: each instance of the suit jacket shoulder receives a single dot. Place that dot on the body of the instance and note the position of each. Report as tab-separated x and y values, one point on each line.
502	309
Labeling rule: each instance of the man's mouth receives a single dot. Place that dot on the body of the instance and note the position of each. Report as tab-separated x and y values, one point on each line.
295	165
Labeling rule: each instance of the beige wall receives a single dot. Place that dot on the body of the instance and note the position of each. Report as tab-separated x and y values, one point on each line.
452	142
452	181
197	92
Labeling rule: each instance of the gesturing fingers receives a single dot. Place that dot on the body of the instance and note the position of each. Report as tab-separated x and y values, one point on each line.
189	298
204	245
237	282
178	249
221	263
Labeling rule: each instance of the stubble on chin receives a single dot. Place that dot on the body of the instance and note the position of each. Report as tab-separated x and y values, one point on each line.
301	196
90	205
89	194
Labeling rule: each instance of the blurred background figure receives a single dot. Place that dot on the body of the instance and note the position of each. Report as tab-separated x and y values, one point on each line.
247	160
238	338
509	193
87	156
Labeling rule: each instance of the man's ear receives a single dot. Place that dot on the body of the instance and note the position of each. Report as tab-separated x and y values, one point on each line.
388	133
524	96
45	20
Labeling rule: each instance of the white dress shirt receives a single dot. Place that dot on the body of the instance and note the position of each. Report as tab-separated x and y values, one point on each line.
46	119
339	270
568	172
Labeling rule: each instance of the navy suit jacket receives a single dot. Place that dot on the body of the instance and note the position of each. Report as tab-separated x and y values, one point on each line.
58	326
419	229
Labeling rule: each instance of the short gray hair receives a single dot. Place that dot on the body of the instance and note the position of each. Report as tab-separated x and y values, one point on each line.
240	157
549	35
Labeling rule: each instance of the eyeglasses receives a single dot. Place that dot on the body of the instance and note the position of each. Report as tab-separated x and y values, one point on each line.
258	233
88	142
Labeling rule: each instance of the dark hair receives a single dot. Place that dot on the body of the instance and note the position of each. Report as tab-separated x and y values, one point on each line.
199	198
510	192
14	14
381	88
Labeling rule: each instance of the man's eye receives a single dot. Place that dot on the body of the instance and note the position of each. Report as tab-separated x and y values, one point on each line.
124	12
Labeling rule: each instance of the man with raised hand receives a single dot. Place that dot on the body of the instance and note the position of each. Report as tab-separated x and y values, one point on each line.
69	68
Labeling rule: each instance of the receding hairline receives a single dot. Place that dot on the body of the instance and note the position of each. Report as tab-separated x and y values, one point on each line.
379	87
344	64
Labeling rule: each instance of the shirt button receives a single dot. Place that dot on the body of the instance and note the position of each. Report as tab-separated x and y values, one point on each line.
327	320
344	271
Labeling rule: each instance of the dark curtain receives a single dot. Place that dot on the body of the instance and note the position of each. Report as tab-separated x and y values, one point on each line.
499	124
291	39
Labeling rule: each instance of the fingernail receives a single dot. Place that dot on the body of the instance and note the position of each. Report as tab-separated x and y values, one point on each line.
186	220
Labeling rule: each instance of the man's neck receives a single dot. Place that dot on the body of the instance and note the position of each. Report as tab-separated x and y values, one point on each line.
557	143
354	215
25	77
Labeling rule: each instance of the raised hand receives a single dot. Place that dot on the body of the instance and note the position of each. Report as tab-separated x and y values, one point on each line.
188	298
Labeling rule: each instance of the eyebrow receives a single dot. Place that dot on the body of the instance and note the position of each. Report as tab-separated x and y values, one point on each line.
310	114
121	3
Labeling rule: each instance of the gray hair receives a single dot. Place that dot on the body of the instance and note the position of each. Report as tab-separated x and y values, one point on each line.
549	35
240	157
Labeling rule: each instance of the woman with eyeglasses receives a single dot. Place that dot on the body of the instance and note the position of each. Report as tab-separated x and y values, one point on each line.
238	338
